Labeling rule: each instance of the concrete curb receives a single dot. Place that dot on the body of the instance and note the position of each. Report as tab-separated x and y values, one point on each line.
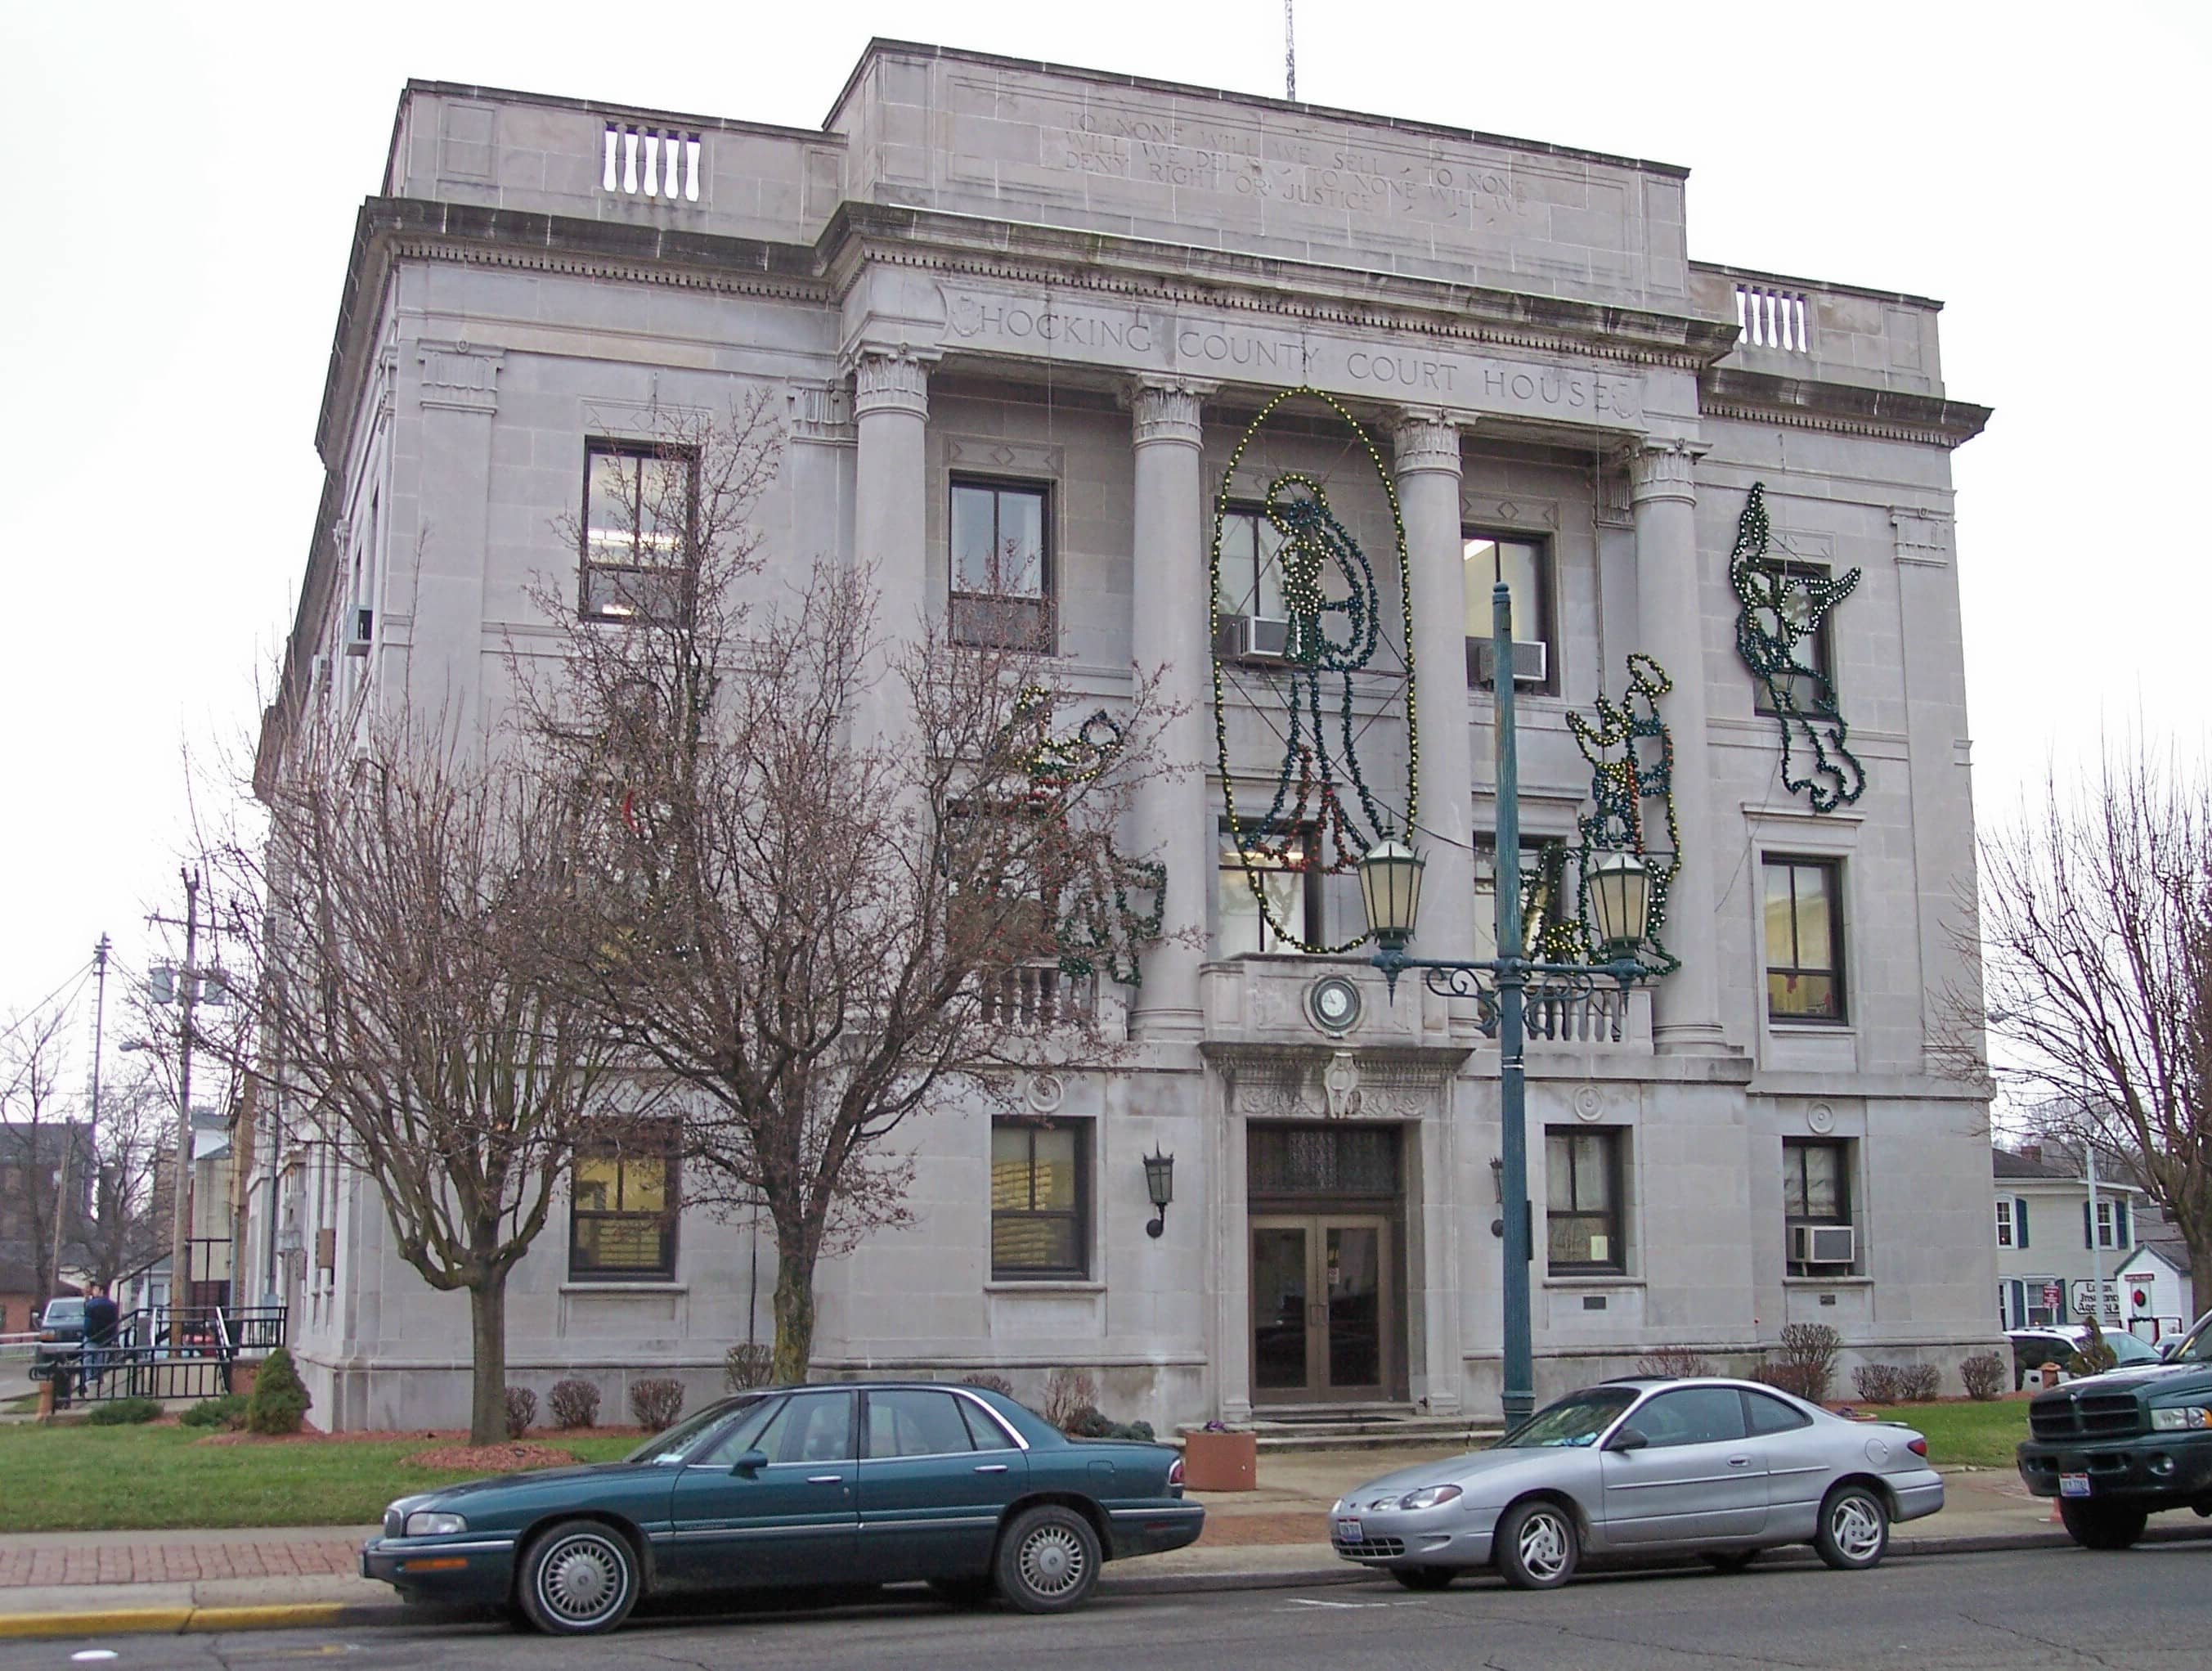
353	1615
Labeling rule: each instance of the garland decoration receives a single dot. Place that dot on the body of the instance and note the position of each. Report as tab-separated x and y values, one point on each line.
1623	777
1781	611
1321	796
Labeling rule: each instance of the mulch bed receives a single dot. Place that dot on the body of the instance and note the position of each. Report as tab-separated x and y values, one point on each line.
512	1457
1224	1531
458	1437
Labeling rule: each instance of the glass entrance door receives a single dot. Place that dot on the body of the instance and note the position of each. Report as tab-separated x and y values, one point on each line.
1323	1309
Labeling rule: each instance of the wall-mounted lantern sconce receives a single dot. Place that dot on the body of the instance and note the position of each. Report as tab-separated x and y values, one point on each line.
1159	1185
1498	1183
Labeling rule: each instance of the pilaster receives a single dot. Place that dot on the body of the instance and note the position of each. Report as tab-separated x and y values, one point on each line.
890	410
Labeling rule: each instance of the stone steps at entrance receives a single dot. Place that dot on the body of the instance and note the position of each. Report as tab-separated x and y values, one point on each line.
1366	1430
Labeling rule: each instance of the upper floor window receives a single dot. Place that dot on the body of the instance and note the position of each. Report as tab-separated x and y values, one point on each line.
1543	888
1817	651
1040	1199
1804	940
640	502
1522	565
2112	1223
1001	590
1251	570
1581	1211
2005	1231
1293	893
623	1205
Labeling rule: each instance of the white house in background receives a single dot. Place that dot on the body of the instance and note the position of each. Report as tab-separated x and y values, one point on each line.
2051	1242
2158	1296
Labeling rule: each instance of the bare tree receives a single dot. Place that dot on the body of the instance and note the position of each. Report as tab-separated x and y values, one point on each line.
2097	949
39	1141
403	896
813	930
125	1234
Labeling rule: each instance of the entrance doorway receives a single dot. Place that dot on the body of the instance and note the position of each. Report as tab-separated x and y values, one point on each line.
1323	1309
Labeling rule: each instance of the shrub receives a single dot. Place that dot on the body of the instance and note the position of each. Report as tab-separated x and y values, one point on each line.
1919	1383
656	1404
521	1411
279	1400
2095	1356
989	1382
745	1367
227	1412
1808	1354
1066	1392
122	1413
1674	1361
1983	1376
575	1403
1879	1383
1090	1422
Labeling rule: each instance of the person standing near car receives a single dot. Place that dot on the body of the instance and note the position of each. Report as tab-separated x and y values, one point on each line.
99	1320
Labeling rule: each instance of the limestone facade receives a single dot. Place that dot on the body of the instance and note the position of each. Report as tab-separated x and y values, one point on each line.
980	269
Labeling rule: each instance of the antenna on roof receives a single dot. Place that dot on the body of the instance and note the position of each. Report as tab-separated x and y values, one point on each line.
1290	54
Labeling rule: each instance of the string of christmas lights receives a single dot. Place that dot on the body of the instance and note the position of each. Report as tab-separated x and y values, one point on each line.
1620	783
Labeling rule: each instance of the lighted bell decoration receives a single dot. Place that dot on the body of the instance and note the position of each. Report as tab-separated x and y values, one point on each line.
1620	887
1159	1185
1390	889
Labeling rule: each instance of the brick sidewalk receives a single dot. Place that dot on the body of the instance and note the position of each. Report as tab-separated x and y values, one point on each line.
216	1555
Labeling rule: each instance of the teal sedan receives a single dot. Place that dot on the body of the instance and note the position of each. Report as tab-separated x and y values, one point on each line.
876	1484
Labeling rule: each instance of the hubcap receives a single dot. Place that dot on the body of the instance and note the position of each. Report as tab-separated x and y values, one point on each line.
1544	1546
1856	1525
580	1580
1052	1560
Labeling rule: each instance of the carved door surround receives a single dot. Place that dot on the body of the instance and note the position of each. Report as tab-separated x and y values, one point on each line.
1333	1082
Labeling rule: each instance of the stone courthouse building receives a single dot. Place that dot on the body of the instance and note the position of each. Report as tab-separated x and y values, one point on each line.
1048	304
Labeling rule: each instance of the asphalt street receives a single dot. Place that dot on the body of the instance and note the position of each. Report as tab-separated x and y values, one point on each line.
2151	1607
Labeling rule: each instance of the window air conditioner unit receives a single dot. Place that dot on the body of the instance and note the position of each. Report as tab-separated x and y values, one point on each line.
363	621
1262	639
1532	663
1823	1244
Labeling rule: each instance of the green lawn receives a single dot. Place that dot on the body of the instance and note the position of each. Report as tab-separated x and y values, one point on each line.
72	1479
1981	1434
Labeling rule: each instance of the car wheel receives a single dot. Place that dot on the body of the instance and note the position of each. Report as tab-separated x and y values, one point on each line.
1730	1560
1424	1577
2100	1525
1047	1559
579	1578
1536	1545
1854	1531
962	1592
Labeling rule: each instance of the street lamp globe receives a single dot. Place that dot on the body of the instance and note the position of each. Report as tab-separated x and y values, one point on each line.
1619	890
1390	889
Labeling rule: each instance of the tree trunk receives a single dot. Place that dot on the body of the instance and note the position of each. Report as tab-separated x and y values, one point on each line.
487	1357
2200	1282
794	1314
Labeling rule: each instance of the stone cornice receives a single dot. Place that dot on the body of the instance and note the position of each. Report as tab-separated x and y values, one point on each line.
1847	409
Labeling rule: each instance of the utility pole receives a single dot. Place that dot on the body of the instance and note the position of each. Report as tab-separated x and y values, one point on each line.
92	1124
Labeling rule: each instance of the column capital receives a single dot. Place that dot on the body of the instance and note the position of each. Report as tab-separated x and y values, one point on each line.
889	379
1167	409
1425	439
1664	467
821	412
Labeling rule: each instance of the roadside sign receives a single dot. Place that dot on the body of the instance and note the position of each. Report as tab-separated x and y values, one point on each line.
2054	1295
2102	1298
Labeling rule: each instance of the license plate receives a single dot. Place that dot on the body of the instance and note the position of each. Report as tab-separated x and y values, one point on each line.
2073	1485
1347	1530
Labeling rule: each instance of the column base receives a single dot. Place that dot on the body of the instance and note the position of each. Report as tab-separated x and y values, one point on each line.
1690	1038
1176	1026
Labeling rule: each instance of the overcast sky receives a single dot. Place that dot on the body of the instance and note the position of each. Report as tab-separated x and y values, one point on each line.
185	182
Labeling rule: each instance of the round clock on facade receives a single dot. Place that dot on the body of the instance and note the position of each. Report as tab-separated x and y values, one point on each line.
1334	1004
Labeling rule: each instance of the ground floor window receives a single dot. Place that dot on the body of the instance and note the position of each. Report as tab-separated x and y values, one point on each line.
1040	1199
1582	1193
1816	1205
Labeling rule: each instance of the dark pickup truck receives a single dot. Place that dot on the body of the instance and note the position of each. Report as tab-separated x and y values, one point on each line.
2115	1449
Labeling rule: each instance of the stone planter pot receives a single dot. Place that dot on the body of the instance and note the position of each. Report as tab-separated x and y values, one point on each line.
1221	1462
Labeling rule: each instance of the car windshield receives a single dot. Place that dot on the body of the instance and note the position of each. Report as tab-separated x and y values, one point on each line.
63	1311
675	1441
1575	1420
2129	1349
2197	1348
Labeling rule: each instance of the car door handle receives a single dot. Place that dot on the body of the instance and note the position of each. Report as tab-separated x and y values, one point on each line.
825	1479
1739	1462
990	1468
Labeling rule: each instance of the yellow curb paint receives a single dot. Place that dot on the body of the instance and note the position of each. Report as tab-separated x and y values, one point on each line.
170	1621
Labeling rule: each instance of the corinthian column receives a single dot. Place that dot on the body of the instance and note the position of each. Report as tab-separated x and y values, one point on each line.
1426	446
1670	626
1167	629
890	410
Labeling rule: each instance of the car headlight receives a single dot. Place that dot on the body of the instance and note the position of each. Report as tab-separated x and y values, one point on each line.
1428	1497
2179	1417
428	1523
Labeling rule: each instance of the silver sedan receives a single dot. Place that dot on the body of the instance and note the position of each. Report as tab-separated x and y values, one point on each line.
1712	1466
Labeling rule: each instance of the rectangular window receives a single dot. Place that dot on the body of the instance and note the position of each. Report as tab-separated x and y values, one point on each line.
623	1205
2004	1224
1001	580
1543	881
1582	1207
1804	940
641	504
1251	574
1816	1191
1293	905
1815	652
1040	1199
1520	564
2046	1301
2111	1224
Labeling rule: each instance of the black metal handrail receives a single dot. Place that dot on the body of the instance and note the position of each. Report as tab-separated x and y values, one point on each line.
161	1353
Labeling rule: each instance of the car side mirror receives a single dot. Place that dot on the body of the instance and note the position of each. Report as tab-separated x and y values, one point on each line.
2165	1347
749	1464
1627	1439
